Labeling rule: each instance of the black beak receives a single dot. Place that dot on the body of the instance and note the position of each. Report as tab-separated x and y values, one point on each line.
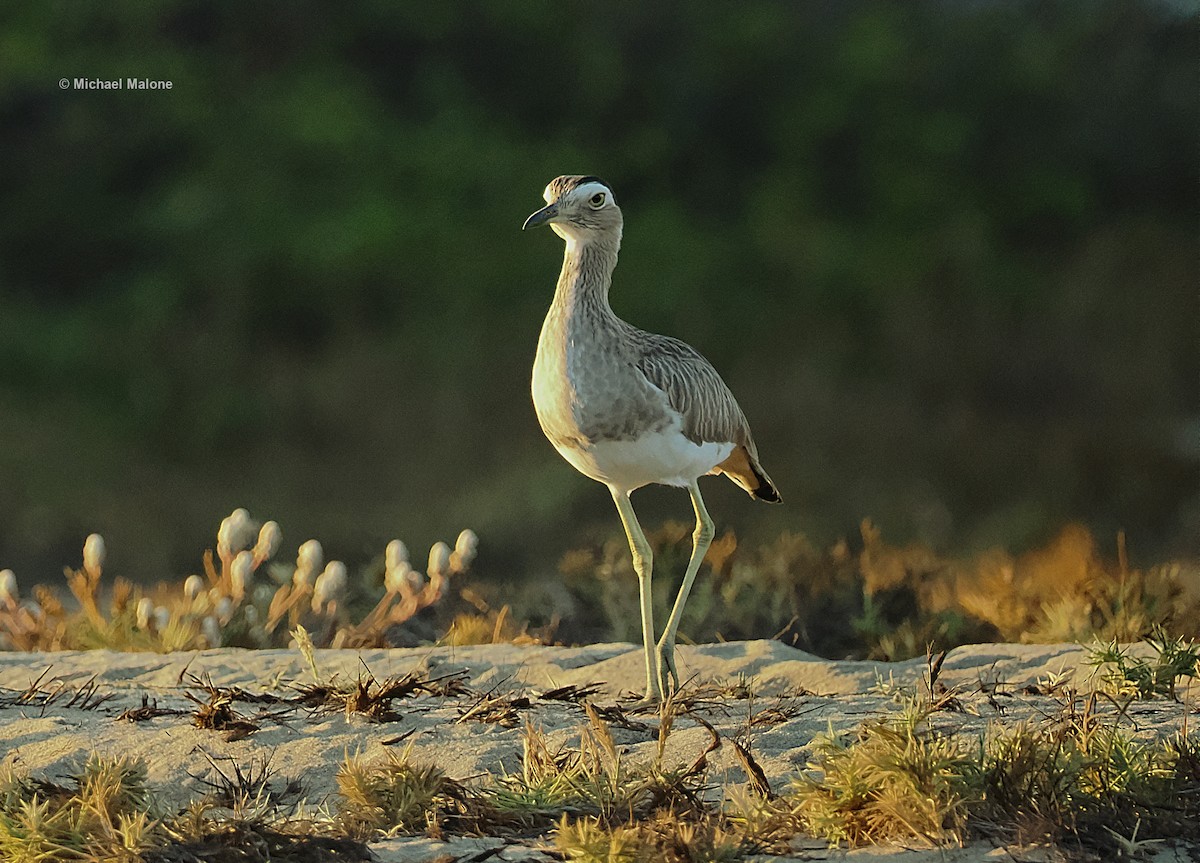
541	217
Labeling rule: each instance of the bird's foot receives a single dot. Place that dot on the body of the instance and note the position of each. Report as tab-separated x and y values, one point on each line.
668	674
648	703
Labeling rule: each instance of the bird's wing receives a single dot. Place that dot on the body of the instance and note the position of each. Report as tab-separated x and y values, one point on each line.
693	387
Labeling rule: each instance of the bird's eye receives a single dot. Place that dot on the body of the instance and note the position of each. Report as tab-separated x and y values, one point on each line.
597	200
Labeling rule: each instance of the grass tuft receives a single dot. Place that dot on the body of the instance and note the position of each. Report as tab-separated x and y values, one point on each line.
896	778
393	796
1127	674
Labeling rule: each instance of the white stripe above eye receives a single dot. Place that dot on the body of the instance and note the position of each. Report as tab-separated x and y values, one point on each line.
585	192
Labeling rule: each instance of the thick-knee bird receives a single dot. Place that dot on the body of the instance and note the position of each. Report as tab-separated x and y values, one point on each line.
627	407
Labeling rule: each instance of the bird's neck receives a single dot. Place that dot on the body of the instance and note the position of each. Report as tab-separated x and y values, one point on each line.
586	276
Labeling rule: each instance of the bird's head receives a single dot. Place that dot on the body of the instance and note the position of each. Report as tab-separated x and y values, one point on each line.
579	209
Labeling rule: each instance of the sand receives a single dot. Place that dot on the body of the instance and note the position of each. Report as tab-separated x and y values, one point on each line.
795	696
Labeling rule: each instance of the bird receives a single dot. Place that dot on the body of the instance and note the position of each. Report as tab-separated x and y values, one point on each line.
630	408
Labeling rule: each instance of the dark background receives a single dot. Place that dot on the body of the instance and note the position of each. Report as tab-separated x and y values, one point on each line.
945	253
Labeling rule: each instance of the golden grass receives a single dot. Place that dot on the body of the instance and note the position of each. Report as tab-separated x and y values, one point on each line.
871	599
1079	778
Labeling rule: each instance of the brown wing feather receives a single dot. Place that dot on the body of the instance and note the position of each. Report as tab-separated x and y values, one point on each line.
710	412
693	387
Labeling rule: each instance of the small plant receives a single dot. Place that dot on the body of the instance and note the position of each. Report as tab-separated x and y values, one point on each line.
896	779
408	592
394	796
591	778
205	831
588	840
664	839
1125	673
103	813
594	779
248	793
371	698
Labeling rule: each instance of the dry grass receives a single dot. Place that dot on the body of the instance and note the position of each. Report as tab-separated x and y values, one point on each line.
898	600
1080	779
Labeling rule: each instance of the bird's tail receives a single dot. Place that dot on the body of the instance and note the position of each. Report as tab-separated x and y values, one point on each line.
743	468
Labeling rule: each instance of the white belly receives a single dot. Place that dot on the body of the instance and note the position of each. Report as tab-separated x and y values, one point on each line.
666	458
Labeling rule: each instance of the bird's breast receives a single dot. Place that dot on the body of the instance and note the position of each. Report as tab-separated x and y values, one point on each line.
585	390
554	396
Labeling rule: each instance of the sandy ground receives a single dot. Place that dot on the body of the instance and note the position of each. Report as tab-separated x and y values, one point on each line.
795	696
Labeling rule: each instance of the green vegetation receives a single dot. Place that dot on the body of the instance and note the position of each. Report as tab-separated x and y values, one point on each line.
1143	677
942	251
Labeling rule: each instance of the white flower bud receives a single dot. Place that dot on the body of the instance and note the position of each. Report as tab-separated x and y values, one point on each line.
8	585
330	585
308	561
251	614
94	554
395	554
396	576
414	581
225	539
162	617
466	546
211	630
224	608
145	608
240	573
439	559
269	538
193	585
234	533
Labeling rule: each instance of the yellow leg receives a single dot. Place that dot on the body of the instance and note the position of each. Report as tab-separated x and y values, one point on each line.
643	564
701	539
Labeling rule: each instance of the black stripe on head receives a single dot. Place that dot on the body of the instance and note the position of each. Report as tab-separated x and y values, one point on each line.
583	181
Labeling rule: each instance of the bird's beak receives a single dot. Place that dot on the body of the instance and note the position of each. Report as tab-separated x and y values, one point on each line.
546	214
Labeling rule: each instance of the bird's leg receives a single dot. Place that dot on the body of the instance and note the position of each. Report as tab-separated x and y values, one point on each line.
643	564
701	539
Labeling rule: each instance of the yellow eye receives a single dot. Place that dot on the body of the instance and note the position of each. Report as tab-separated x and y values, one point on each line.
597	200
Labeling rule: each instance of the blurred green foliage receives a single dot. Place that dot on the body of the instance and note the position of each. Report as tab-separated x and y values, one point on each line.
944	252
